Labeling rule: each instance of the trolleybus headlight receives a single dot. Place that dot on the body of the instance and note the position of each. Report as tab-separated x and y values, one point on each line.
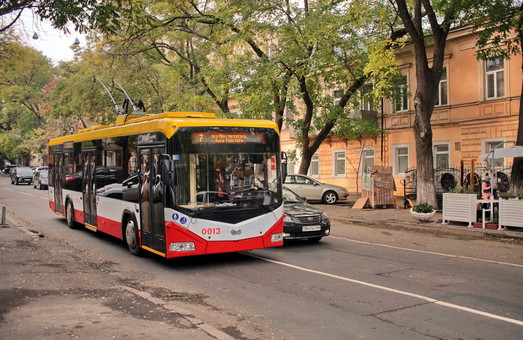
278	237
182	246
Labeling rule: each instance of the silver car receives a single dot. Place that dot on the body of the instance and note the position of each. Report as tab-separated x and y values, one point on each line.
313	190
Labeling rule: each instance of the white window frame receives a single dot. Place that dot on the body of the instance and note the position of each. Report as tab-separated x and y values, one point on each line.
395	162
336	96
338	155
495	74
316	160
443	88
366	103
364	157
486	146
435	152
402	96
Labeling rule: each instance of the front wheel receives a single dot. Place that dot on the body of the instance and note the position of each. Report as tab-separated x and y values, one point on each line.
131	237
69	215
330	197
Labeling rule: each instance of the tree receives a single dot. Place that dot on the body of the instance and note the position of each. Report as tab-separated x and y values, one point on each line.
83	14
267	56
426	25
23	102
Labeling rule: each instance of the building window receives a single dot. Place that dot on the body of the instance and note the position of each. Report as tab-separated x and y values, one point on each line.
441	153
367	158
336	96
495	78
442	95
491	144
401	100
314	168
339	163
401	159
367	101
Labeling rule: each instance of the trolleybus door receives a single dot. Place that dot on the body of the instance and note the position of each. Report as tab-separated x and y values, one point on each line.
57	180
88	187
151	199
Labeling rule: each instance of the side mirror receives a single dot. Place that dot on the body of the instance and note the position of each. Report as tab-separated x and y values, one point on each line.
283	166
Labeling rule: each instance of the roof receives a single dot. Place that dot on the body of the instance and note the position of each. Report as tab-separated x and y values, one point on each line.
167	123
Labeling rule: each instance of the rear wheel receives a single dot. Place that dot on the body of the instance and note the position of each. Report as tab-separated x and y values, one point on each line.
330	197
69	215
131	237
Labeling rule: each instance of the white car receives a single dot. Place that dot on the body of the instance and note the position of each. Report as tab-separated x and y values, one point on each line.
312	190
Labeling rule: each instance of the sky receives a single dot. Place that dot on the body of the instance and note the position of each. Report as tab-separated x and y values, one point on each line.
53	43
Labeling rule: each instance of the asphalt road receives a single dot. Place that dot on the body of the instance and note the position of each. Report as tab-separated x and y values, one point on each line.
361	282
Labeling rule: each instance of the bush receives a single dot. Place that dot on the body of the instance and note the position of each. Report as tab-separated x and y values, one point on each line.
423	208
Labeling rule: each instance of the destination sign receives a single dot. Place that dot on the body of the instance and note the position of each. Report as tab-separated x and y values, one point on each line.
227	138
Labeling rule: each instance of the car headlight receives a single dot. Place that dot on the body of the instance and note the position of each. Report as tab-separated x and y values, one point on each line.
324	216
288	218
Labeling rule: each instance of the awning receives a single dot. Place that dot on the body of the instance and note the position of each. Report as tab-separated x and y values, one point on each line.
514	151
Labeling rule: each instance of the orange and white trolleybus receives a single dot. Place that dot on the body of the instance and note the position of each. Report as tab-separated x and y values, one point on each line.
174	184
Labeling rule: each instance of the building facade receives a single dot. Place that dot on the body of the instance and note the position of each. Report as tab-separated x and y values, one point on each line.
477	109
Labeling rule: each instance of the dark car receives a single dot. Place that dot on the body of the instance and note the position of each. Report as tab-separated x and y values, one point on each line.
40	179
21	175
303	220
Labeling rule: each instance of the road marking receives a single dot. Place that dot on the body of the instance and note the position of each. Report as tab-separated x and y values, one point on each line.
392	290
26	193
428	252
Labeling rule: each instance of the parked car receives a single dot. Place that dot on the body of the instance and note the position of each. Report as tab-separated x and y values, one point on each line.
40	179
303	220
21	175
8	168
38	168
312	190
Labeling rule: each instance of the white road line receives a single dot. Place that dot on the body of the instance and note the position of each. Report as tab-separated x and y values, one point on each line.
392	290
428	252
26	193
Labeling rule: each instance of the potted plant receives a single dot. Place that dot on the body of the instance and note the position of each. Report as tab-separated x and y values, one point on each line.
422	212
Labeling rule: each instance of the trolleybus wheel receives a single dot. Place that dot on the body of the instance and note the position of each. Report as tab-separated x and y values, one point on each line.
69	215
131	237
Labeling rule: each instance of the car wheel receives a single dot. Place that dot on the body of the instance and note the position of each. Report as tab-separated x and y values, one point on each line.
314	239
69	215
330	197
131	237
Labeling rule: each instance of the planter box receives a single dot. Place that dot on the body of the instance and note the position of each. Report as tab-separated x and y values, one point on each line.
511	213
459	208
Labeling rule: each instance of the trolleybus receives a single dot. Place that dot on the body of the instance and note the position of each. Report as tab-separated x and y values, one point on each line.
174	184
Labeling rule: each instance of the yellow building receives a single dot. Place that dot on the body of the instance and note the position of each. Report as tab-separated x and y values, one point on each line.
477	109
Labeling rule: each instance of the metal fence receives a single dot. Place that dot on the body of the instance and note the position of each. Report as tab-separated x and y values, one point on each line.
445	179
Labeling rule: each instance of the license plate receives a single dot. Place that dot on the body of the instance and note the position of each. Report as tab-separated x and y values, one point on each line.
311	228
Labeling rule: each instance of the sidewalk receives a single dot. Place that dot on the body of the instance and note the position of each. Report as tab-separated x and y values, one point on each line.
398	218
50	290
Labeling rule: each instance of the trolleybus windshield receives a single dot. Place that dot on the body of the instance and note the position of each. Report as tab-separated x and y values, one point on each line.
232	173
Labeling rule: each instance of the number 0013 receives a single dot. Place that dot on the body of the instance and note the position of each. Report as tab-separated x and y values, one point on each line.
211	231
